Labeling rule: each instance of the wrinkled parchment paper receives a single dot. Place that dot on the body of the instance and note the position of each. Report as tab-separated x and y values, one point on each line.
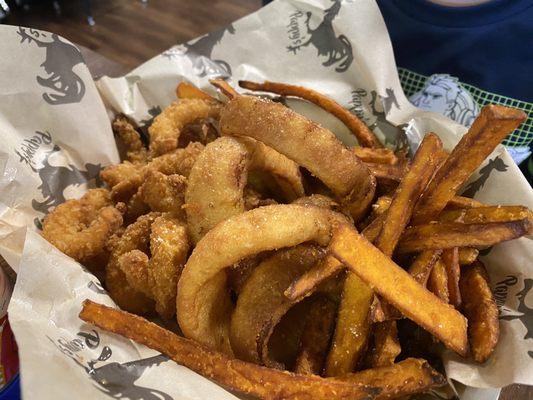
55	136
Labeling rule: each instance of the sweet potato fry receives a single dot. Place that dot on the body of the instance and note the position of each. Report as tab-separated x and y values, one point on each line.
247	378
449	234
387	174
316	337
186	90
492	125
397	287
463	202
410	376
481	310
425	162
224	87
364	135
377	156
438	282
450	258
386	346
352	329
487	214
467	255
421	267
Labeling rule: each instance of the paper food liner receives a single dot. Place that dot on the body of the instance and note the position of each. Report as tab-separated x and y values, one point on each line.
56	136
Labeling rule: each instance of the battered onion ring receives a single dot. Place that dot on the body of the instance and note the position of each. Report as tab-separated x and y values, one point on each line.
203	302
306	143
166	128
135	237
158	276
80	228
262	304
216	184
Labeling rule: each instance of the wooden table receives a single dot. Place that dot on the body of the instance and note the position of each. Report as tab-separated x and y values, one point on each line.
100	65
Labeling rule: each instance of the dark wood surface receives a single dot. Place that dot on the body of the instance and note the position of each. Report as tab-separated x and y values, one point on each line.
128	32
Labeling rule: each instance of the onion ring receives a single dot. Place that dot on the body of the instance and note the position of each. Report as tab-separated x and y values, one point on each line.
203	303
306	143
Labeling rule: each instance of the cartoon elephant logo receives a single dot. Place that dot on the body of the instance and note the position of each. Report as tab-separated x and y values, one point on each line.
63	84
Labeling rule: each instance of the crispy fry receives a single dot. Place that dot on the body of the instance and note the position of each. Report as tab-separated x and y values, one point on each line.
421	267
224	87
308	144
238	375
186	90
492	125
449	234
135	149
438	282
167	126
463	202
376	156
399	288
450	258
467	255
481	310
364	135
409	376
80	228
261	306
352	329
487	214
203	301
387	175
318	329
386	346
216	184
423	166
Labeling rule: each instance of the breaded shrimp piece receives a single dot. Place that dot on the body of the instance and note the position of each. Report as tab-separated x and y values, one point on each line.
165	193
135	149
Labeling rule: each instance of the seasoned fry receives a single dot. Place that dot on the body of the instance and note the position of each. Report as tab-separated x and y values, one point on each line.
203	301
308	144
386	346
449	234
352	328
481	310
492	125
399	288
467	255
421	267
224	87
487	214
364	135
438	282
450	258
186	90
376	156
238	375
261	306
317	333
423	166
216	185
463	202
407	377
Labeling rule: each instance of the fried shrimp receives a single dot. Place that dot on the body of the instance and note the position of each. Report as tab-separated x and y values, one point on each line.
164	193
157	277
167	126
80	228
135	149
135	237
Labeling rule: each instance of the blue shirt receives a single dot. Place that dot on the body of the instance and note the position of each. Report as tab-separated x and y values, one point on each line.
489	46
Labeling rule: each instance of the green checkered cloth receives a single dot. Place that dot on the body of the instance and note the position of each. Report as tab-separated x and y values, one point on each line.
413	82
